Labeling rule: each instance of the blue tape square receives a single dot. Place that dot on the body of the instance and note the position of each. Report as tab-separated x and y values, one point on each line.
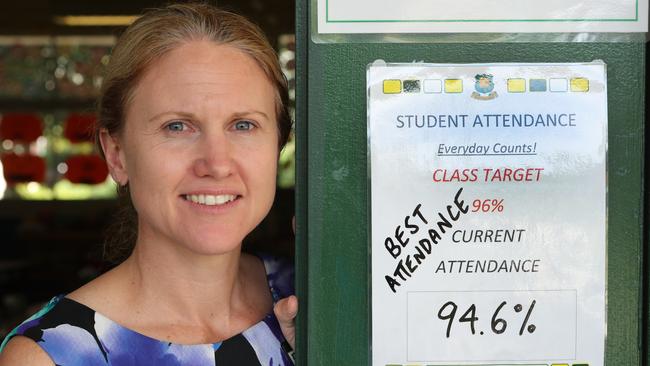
537	85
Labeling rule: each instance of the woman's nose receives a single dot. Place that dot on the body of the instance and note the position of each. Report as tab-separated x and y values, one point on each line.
214	158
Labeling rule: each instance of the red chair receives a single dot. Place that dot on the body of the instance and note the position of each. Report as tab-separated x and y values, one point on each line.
23	168
21	127
79	127
88	169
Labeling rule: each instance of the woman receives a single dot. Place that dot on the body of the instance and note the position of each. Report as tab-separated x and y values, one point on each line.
192	115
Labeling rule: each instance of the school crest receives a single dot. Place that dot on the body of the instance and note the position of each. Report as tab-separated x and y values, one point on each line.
484	87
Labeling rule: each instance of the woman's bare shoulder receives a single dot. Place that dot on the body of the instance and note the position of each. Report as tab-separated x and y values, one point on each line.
24	351
97	294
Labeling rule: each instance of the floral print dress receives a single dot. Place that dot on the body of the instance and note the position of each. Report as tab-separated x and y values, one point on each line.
75	335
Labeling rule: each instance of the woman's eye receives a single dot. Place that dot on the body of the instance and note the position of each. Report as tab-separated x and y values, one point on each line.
244	125
176	126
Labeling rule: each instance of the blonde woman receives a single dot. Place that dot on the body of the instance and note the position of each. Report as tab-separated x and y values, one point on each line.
192	116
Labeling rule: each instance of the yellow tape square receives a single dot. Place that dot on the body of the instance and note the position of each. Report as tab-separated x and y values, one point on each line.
580	85
453	86
392	86
516	85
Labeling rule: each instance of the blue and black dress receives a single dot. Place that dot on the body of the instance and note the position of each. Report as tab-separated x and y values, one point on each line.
73	334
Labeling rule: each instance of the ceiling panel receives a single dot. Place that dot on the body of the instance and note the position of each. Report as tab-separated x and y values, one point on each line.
35	17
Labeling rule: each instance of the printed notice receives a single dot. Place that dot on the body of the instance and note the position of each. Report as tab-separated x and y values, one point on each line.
488	213
457	16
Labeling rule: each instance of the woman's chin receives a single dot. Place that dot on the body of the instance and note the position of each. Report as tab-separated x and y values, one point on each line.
214	246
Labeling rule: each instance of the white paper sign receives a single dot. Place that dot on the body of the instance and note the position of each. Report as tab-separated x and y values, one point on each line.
453	16
488	213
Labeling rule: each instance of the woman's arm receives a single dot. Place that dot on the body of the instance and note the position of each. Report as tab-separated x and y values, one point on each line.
25	352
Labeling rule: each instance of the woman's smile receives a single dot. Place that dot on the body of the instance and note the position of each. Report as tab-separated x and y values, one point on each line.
210	199
211	203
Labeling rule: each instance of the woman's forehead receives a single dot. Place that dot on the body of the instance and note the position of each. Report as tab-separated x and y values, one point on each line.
205	62
202	72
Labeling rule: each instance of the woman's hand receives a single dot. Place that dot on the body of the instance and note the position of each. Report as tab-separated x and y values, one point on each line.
285	310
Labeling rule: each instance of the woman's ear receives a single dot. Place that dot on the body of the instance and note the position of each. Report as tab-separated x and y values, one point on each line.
114	157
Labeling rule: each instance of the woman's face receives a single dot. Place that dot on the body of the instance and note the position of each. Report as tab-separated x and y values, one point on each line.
199	148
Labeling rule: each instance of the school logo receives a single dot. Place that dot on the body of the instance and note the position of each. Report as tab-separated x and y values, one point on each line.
484	87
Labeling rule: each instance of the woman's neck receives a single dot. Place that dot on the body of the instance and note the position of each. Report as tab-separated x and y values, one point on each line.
184	284
166	292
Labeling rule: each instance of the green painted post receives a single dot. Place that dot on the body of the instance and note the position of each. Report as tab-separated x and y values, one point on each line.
332	195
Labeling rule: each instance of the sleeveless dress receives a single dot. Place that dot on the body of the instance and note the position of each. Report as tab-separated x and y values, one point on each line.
72	334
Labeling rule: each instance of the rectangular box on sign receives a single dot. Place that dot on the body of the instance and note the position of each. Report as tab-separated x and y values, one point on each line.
491	325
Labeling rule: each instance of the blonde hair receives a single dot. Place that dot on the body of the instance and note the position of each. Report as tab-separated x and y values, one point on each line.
150	37
161	30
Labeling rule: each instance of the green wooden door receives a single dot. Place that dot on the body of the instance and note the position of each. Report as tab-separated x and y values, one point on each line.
332	188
